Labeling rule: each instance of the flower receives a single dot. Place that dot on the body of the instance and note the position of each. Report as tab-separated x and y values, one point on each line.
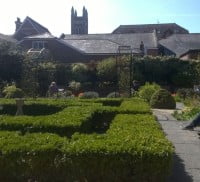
80	95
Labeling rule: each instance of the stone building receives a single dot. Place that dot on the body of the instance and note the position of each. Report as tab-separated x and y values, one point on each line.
162	30
27	28
167	39
79	24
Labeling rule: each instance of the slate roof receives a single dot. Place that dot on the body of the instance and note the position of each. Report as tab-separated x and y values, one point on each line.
109	43
181	43
148	28
45	35
8	38
94	46
41	29
38	27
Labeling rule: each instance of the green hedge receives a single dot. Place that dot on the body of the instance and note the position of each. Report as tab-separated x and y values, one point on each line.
66	122
29	156
133	149
135	106
69	119
85	141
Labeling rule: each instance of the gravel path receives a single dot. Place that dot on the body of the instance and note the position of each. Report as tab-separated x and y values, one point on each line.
186	167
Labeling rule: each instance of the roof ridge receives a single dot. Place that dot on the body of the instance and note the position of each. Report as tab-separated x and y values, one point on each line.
37	23
109	34
150	24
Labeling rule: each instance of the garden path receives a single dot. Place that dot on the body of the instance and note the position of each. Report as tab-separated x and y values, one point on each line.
186	167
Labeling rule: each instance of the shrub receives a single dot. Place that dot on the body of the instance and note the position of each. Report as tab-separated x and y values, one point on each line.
88	95
106	70
128	151
68	93
186	92
13	92
113	95
134	106
75	87
79	71
147	90
131	146
162	99
187	114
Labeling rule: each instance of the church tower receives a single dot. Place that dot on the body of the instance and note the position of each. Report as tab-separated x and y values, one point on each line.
79	24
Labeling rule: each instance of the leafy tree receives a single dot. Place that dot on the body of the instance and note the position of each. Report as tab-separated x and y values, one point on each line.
11	58
79	71
37	76
106	70
9	48
168	71
63	74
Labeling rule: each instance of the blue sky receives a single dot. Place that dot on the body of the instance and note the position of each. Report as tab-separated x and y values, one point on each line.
104	15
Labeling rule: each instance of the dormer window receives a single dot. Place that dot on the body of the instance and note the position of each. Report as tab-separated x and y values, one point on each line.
39	44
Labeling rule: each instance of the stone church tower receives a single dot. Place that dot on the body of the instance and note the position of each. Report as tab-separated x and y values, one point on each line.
79	24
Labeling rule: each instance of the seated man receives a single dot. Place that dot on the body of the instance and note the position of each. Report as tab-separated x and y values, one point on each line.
195	122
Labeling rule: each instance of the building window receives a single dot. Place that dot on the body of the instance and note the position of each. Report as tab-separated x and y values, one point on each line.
39	44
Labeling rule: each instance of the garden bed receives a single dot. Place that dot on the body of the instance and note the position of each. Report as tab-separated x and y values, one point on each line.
84	141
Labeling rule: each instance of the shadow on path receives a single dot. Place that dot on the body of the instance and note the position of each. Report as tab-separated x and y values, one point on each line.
178	171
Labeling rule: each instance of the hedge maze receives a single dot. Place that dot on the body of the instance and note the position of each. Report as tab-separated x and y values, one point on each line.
82	140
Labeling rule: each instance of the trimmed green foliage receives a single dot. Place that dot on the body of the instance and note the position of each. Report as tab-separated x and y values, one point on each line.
31	109
162	99
147	90
63	123
89	95
110	140
104	101
13	92
169	71
134	106
113	95
30	156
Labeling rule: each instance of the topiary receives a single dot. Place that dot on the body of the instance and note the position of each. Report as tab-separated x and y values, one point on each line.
13	92
113	95
162	99
88	95
147	90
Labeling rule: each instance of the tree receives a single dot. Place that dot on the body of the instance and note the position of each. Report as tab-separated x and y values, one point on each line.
106	70
37	76
79	71
11	58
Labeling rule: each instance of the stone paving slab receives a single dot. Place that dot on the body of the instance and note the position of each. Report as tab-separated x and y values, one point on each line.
186	167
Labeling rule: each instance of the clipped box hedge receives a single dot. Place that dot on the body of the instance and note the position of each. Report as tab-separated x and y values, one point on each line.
85	141
73	116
